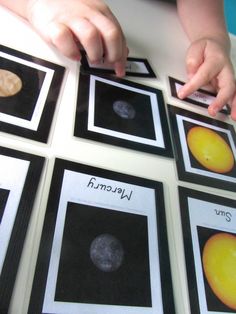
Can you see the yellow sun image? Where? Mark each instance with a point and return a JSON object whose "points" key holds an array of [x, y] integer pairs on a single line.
{"points": [[219, 264], [210, 149]]}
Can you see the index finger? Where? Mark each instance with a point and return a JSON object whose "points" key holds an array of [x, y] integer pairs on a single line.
{"points": [[206, 72]]}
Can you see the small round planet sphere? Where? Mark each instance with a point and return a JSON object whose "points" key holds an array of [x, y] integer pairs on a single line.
{"points": [[106, 252], [124, 109], [10, 83]]}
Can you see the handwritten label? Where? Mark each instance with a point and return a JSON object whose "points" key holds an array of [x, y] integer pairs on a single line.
{"points": [[225, 214], [198, 96], [123, 194]]}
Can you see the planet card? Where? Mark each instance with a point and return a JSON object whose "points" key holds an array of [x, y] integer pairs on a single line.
{"points": [[122, 113], [104, 245], [205, 149], [29, 89], [139, 67], [208, 223], [200, 97], [19, 178]]}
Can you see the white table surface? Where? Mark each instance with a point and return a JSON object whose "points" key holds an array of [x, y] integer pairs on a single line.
{"points": [[153, 31]]}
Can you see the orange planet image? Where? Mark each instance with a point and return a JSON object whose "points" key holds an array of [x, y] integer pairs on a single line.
{"points": [[210, 149], [219, 264]]}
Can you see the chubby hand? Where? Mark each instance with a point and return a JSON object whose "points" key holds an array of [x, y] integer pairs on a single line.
{"points": [[72, 24], [208, 62]]}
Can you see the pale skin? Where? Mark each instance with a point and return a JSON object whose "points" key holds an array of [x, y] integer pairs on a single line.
{"points": [[207, 59], [70, 24]]}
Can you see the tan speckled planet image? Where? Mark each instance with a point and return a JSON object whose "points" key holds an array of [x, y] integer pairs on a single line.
{"points": [[10, 83]]}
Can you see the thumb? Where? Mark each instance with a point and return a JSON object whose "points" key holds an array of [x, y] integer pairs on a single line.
{"points": [[194, 57]]}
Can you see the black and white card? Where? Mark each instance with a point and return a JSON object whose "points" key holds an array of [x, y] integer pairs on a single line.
{"points": [[205, 149], [139, 67], [200, 97], [209, 234], [104, 245], [122, 113], [29, 90], [19, 178]]}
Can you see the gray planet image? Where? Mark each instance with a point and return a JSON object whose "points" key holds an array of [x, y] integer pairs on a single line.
{"points": [[106, 252], [124, 109]]}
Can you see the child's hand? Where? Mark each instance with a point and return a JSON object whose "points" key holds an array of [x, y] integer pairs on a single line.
{"points": [[233, 107], [208, 62], [70, 24]]}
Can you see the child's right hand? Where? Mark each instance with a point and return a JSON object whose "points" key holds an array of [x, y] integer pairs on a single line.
{"points": [[70, 24]]}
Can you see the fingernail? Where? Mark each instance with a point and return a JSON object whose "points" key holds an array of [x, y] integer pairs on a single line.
{"points": [[120, 69], [180, 94], [213, 111], [120, 73]]}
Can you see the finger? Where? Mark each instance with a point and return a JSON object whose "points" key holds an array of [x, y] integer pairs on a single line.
{"points": [[113, 39], [221, 100], [119, 68], [225, 94], [114, 43], [233, 108], [62, 38], [89, 37], [226, 90], [194, 58], [207, 71]]}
